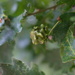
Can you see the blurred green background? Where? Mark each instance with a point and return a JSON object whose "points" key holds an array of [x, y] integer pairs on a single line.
{"points": [[46, 56]]}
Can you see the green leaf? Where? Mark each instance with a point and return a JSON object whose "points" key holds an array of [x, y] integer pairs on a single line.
{"points": [[54, 60], [24, 5], [3, 1], [6, 35], [10, 6], [10, 29], [70, 3], [63, 35], [6, 52], [66, 1], [16, 23], [1, 12], [60, 31], [21, 7], [67, 50], [18, 68]]}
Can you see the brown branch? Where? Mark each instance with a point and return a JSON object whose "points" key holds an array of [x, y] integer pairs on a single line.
{"points": [[40, 11]]}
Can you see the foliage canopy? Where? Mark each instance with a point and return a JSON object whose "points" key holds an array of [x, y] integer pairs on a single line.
{"points": [[41, 28]]}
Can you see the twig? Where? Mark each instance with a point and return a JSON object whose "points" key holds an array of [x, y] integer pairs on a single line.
{"points": [[40, 11]]}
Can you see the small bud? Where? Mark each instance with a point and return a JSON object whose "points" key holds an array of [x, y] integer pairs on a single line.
{"points": [[58, 19], [1, 71], [50, 37], [0, 20]]}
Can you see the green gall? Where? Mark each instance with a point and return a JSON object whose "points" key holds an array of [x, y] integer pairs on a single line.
{"points": [[39, 34]]}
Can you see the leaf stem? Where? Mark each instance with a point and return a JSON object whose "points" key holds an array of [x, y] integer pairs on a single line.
{"points": [[54, 27]]}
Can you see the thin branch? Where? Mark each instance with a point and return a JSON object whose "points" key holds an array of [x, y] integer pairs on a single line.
{"points": [[40, 11]]}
